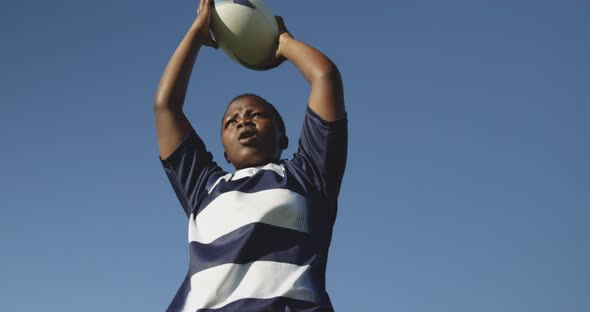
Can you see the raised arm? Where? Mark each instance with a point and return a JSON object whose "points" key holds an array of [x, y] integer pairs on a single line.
{"points": [[326, 97], [171, 123]]}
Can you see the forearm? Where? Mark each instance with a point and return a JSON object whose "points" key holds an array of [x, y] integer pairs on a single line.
{"points": [[326, 97], [173, 85], [310, 62]]}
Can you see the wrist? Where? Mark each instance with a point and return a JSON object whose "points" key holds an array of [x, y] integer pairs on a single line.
{"points": [[199, 33], [199, 38], [284, 39]]}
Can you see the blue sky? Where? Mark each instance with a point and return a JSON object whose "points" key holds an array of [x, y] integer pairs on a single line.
{"points": [[467, 186]]}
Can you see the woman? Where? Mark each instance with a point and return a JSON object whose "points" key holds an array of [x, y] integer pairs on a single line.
{"points": [[259, 237]]}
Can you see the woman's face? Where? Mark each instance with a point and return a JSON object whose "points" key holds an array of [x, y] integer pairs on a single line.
{"points": [[249, 133]]}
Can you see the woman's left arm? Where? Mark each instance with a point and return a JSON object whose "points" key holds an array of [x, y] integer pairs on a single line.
{"points": [[327, 95]]}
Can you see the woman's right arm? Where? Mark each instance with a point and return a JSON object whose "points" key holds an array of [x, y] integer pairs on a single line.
{"points": [[171, 124]]}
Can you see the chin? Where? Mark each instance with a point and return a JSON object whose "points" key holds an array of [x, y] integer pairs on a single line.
{"points": [[249, 161], [252, 157], [252, 161]]}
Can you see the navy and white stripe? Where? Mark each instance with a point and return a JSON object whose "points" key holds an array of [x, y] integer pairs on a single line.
{"points": [[260, 235], [258, 238], [233, 210]]}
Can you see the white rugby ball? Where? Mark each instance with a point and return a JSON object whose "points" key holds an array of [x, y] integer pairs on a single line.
{"points": [[246, 30]]}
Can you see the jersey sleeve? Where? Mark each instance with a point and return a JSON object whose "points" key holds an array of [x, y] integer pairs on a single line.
{"points": [[322, 151], [190, 169]]}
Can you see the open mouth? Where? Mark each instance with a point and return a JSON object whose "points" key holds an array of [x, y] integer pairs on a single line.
{"points": [[247, 137]]}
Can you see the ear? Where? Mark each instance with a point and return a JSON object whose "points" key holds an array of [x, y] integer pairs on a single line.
{"points": [[226, 159], [284, 143]]}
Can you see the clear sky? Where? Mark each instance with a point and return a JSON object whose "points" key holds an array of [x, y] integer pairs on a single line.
{"points": [[467, 186]]}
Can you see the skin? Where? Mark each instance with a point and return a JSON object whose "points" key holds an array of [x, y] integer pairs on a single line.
{"points": [[325, 99], [250, 134]]}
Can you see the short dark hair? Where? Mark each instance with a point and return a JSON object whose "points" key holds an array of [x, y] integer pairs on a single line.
{"points": [[278, 117]]}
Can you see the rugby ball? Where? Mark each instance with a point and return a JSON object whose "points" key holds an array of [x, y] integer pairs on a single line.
{"points": [[246, 30]]}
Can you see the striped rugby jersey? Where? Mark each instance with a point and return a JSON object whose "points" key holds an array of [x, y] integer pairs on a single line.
{"points": [[259, 238]]}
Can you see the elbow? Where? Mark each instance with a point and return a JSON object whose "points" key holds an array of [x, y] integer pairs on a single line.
{"points": [[163, 102], [327, 72], [160, 103]]}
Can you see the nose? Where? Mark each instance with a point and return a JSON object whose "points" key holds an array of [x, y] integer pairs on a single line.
{"points": [[245, 122]]}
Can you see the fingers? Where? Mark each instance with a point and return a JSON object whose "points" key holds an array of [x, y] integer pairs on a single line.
{"points": [[202, 23], [205, 5], [200, 7], [281, 24], [211, 42], [280, 20]]}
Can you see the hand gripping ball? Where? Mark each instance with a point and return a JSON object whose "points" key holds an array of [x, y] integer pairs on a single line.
{"points": [[246, 30]]}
